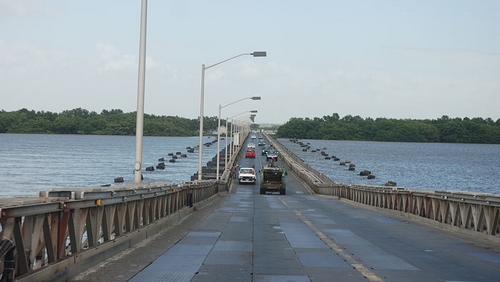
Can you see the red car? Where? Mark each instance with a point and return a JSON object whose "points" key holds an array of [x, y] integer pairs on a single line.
{"points": [[250, 154]]}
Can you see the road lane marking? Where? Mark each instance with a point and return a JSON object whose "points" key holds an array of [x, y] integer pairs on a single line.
{"points": [[351, 260]]}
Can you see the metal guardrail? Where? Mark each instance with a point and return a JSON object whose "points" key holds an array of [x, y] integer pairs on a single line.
{"points": [[50, 232], [477, 213], [7, 256], [62, 232], [61, 228]]}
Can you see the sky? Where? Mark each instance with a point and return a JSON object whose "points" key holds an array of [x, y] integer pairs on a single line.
{"points": [[402, 59]]}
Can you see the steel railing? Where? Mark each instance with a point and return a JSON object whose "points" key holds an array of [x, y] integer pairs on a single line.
{"points": [[478, 213]]}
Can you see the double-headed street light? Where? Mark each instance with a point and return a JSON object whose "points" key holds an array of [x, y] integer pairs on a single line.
{"points": [[241, 129], [218, 133], [203, 68]]}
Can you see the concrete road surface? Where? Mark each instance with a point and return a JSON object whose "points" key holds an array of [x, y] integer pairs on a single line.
{"points": [[245, 236]]}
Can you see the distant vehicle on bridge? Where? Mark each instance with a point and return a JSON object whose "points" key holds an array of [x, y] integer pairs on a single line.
{"points": [[250, 153], [265, 149], [272, 155]]}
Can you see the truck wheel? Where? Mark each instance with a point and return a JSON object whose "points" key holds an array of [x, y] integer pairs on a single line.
{"points": [[262, 191], [283, 192]]}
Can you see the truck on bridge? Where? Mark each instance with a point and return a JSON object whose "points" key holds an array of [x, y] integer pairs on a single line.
{"points": [[273, 179]]}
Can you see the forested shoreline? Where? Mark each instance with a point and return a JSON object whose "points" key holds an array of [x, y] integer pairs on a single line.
{"points": [[444, 129], [116, 122], [108, 122]]}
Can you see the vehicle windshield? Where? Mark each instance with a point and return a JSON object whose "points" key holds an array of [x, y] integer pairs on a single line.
{"points": [[246, 171]]}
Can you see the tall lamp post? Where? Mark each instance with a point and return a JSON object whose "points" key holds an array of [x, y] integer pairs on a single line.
{"points": [[252, 111], [218, 132], [203, 68], [139, 131], [233, 128]]}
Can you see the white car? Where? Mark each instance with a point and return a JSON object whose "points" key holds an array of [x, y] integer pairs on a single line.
{"points": [[247, 175], [251, 146]]}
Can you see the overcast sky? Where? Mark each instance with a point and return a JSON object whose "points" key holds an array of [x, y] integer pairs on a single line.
{"points": [[395, 59]]}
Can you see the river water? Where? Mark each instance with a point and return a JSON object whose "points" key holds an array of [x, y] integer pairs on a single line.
{"points": [[32, 163], [37, 162], [419, 166]]}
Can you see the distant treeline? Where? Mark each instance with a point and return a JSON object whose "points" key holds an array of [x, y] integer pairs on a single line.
{"points": [[112, 122], [116, 122], [444, 129]]}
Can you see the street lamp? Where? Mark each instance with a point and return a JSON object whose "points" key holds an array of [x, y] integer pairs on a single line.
{"points": [[241, 129], [232, 139], [203, 68], [233, 128], [218, 133], [139, 131]]}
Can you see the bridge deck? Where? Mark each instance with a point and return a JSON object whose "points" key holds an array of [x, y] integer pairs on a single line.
{"points": [[245, 236]]}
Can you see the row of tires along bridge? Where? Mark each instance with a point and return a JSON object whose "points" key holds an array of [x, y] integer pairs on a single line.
{"points": [[475, 214], [61, 233]]}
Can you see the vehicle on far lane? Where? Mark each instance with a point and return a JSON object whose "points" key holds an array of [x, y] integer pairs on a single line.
{"points": [[265, 149], [272, 155]]}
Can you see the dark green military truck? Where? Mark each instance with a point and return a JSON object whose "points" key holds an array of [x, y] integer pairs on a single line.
{"points": [[273, 179]]}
